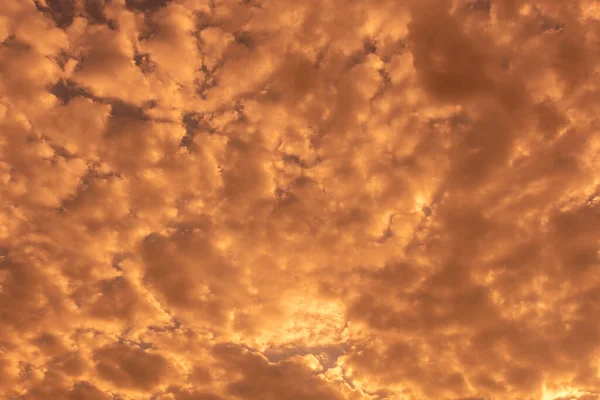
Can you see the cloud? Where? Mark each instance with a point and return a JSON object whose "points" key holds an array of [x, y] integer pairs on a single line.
{"points": [[206, 200]]}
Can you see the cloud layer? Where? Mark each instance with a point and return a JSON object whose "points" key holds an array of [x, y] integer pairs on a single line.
{"points": [[259, 199]]}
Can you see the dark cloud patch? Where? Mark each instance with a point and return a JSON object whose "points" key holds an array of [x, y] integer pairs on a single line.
{"points": [[146, 5], [261, 379], [67, 90], [61, 11], [437, 40], [129, 367]]}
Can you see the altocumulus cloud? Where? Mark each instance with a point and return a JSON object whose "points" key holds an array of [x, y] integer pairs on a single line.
{"points": [[260, 199]]}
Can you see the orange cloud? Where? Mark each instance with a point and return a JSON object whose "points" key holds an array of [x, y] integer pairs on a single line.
{"points": [[223, 199]]}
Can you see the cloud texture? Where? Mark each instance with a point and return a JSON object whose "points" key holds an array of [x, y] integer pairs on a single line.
{"points": [[294, 200]]}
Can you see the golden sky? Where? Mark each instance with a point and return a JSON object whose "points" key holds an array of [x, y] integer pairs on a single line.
{"points": [[299, 200]]}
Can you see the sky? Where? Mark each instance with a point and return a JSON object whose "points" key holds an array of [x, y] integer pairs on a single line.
{"points": [[299, 200]]}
